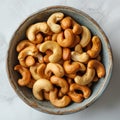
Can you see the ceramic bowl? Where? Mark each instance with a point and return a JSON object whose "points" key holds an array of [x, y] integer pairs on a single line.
{"points": [[26, 94]]}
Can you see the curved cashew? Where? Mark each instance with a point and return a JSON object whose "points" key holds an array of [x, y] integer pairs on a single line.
{"points": [[54, 68], [86, 78], [31, 50], [66, 54], [77, 29], [83, 57], [62, 102], [29, 61], [71, 68], [36, 28], [33, 71], [68, 22], [78, 48], [96, 47], [66, 38], [61, 83], [78, 97], [86, 36], [53, 46], [76, 41], [39, 85], [25, 73], [41, 71], [95, 64], [53, 19], [38, 38], [23, 44]]}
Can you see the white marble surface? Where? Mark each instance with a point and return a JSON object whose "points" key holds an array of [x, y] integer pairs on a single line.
{"points": [[106, 13]]}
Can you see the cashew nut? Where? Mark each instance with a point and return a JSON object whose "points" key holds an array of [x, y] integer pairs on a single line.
{"points": [[29, 61], [36, 28], [86, 36], [78, 97], [96, 47], [41, 71], [100, 69], [39, 85], [54, 37], [23, 44], [66, 38], [76, 41], [61, 83], [54, 68], [78, 48], [62, 102], [86, 78], [68, 22], [31, 50], [25, 73], [66, 54], [53, 19], [33, 71], [54, 47], [83, 57], [71, 68]]}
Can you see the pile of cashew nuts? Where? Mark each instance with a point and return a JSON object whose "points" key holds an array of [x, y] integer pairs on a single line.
{"points": [[60, 60]]}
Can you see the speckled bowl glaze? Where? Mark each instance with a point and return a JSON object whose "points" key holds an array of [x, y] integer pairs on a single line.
{"points": [[26, 94]]}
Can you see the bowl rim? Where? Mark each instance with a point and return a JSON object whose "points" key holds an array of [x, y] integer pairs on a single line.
{"points": [[101, 90]]}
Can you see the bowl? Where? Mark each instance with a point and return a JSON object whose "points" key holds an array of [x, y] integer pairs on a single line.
{"points": [[26, 94]]}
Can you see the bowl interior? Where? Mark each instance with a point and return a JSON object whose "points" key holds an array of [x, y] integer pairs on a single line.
{"points": [[26, 94]]}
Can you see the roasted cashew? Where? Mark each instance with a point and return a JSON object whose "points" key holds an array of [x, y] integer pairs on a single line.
{"points": [[39, 85], [86, 36], [66, 38], [53, 19], [38, 38], [31, 50], [78, 97], [76, 41], [78, 48], [62, 102], [25, 73], [41, 71], [54, 68], [36, 28], [23, 44], [66, 54], [54, 47], [33, 71], [68, 22], [77, 29], [29, 61], [61, 83], [83, 57], [86, 78], [71, 68], [100, 69], [96, 47]]}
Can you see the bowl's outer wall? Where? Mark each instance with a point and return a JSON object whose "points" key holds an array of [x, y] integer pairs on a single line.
{"points": [[20, 34]]}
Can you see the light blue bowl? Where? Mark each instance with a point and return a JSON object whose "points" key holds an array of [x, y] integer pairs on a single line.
{"points": [[82, 18]]}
